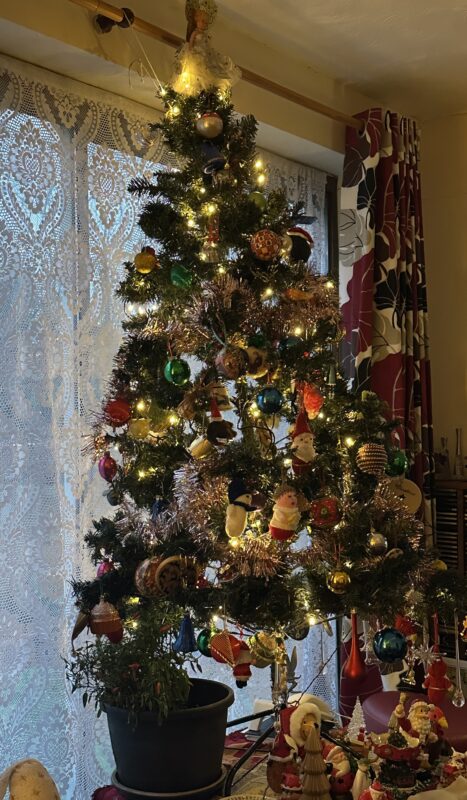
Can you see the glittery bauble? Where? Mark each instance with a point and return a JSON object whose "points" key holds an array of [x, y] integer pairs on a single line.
{"points": [[209, 125], [372, 458], [298, 632], [338, 581], [165, 576], [232, 362], [139, 428], [258, 199], [265, 245], [270, 400], [324, 512], [177, 371], [180, 276], [117, 412], [398, 463], [389, 645], [225, 648], [104, 567], [146, 261], [204, 642], [104, 618], [263, 647], [377, 543], [107, 467]]}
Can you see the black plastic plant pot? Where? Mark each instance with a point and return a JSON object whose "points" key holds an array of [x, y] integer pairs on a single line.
{"points": [[182, 754]]}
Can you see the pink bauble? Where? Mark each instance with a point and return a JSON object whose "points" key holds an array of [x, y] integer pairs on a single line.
{"points": [[107, 467], [104, 567], [107, 793]]}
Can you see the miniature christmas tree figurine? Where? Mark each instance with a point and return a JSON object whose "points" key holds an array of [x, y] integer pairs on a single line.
{"points": [[356, 725], [315, 781]]}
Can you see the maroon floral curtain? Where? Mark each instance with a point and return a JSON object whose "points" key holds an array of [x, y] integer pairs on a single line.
{"points": [[382, 272]]}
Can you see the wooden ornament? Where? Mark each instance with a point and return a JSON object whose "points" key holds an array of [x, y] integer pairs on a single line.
{"points": [[165, 576]]}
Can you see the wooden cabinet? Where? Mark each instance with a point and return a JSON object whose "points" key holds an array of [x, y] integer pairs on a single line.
{"points": [[451, 541]]}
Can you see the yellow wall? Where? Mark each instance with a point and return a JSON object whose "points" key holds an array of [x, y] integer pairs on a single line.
{"points": [[444, 186], [60, 36]]}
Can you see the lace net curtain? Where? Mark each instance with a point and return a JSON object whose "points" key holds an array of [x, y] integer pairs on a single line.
{"points": [[67, 223]]}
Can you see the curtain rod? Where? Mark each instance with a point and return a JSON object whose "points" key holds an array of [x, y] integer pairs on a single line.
{"points": [[117, 16]]}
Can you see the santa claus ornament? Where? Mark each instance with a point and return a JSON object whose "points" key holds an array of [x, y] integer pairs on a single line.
{"points": [[219, 431], [376, 792], [285, 514], [240, 503], [241, 670], [302, 445], [437, 681], [302, 244]]}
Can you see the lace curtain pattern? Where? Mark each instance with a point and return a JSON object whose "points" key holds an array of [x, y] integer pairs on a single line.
{"points": [[67, 223]]}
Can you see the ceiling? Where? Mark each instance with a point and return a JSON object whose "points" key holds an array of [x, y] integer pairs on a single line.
{"points": [[410, 54]]}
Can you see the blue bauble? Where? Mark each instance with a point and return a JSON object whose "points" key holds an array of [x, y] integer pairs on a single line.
{"points": [[389, 645], [270, 400], [186, 639]]}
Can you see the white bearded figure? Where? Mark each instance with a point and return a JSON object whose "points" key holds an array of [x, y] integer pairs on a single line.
{"points": [[285, 514], [418, 722], [302, 445]]}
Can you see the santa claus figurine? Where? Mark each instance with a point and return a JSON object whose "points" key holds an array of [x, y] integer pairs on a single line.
{"points": [[240, 503], [437, 681], [418, 723], [288, 749], [341, 778], [376, 792], [285, 514], [302, 445]]}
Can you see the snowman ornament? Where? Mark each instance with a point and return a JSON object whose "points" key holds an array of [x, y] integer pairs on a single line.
{"points": [[240, 503], [302, 445]]}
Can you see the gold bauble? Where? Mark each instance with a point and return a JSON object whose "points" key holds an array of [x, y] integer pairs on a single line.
{"points": [[372, 458], [145, 262], [338, 581], [439, 565], [200, 447], [209, 125], [263, 647], [139, 428], [377, 543]]}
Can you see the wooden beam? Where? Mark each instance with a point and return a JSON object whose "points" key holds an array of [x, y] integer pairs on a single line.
{"points": [[155, 32]]}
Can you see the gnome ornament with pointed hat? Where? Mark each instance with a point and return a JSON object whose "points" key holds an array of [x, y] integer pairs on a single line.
{"points": [[302, 444], [219, 431], [240, 503]]}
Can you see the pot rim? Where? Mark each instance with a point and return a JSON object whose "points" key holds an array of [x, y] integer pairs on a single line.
{"points": [[179, 713]]}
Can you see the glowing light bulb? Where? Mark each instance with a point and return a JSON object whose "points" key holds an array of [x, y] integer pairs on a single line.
{"points": [[350, 441], [142, 405], [133, 601], [191, 222], [173, 419], [268, 292], [203, 257], [312, 619], [130, 308], [320, 415], [234, 542], [222, 270], [214, 618], [256, 413], [211, 209], [298, 330], [175, 111], [287, 462], [162, 91], [259, 164], [202, 190], [141, 311], [141, 474], [134, 623], [261, 179], [329, 284]]}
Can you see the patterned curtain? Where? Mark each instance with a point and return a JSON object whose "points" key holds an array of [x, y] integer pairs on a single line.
{"points": [[383, 284], [67, 224]]}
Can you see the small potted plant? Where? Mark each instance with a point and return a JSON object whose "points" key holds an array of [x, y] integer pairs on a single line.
{"points": [[167, 730]]}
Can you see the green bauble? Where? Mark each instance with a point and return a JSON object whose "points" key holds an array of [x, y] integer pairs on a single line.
{"points": [[181, 276], [258, 199], [398, 463], [257, 339], [204, 642], [177, 371]]}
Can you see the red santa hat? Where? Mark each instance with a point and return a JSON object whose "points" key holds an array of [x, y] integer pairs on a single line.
{"points": [[215, 413], [376, 787], [301, 424], [302, 233]]}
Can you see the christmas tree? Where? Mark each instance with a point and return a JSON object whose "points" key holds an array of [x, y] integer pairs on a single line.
{"points": [[235, 340], [315, 781]]}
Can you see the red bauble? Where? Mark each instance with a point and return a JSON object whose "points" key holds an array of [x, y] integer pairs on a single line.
{"points": [[117, 412], [312, 400], [324, 512], [225, 648], [104, 567], [107, 467], [107, 793], [355, 667]]}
